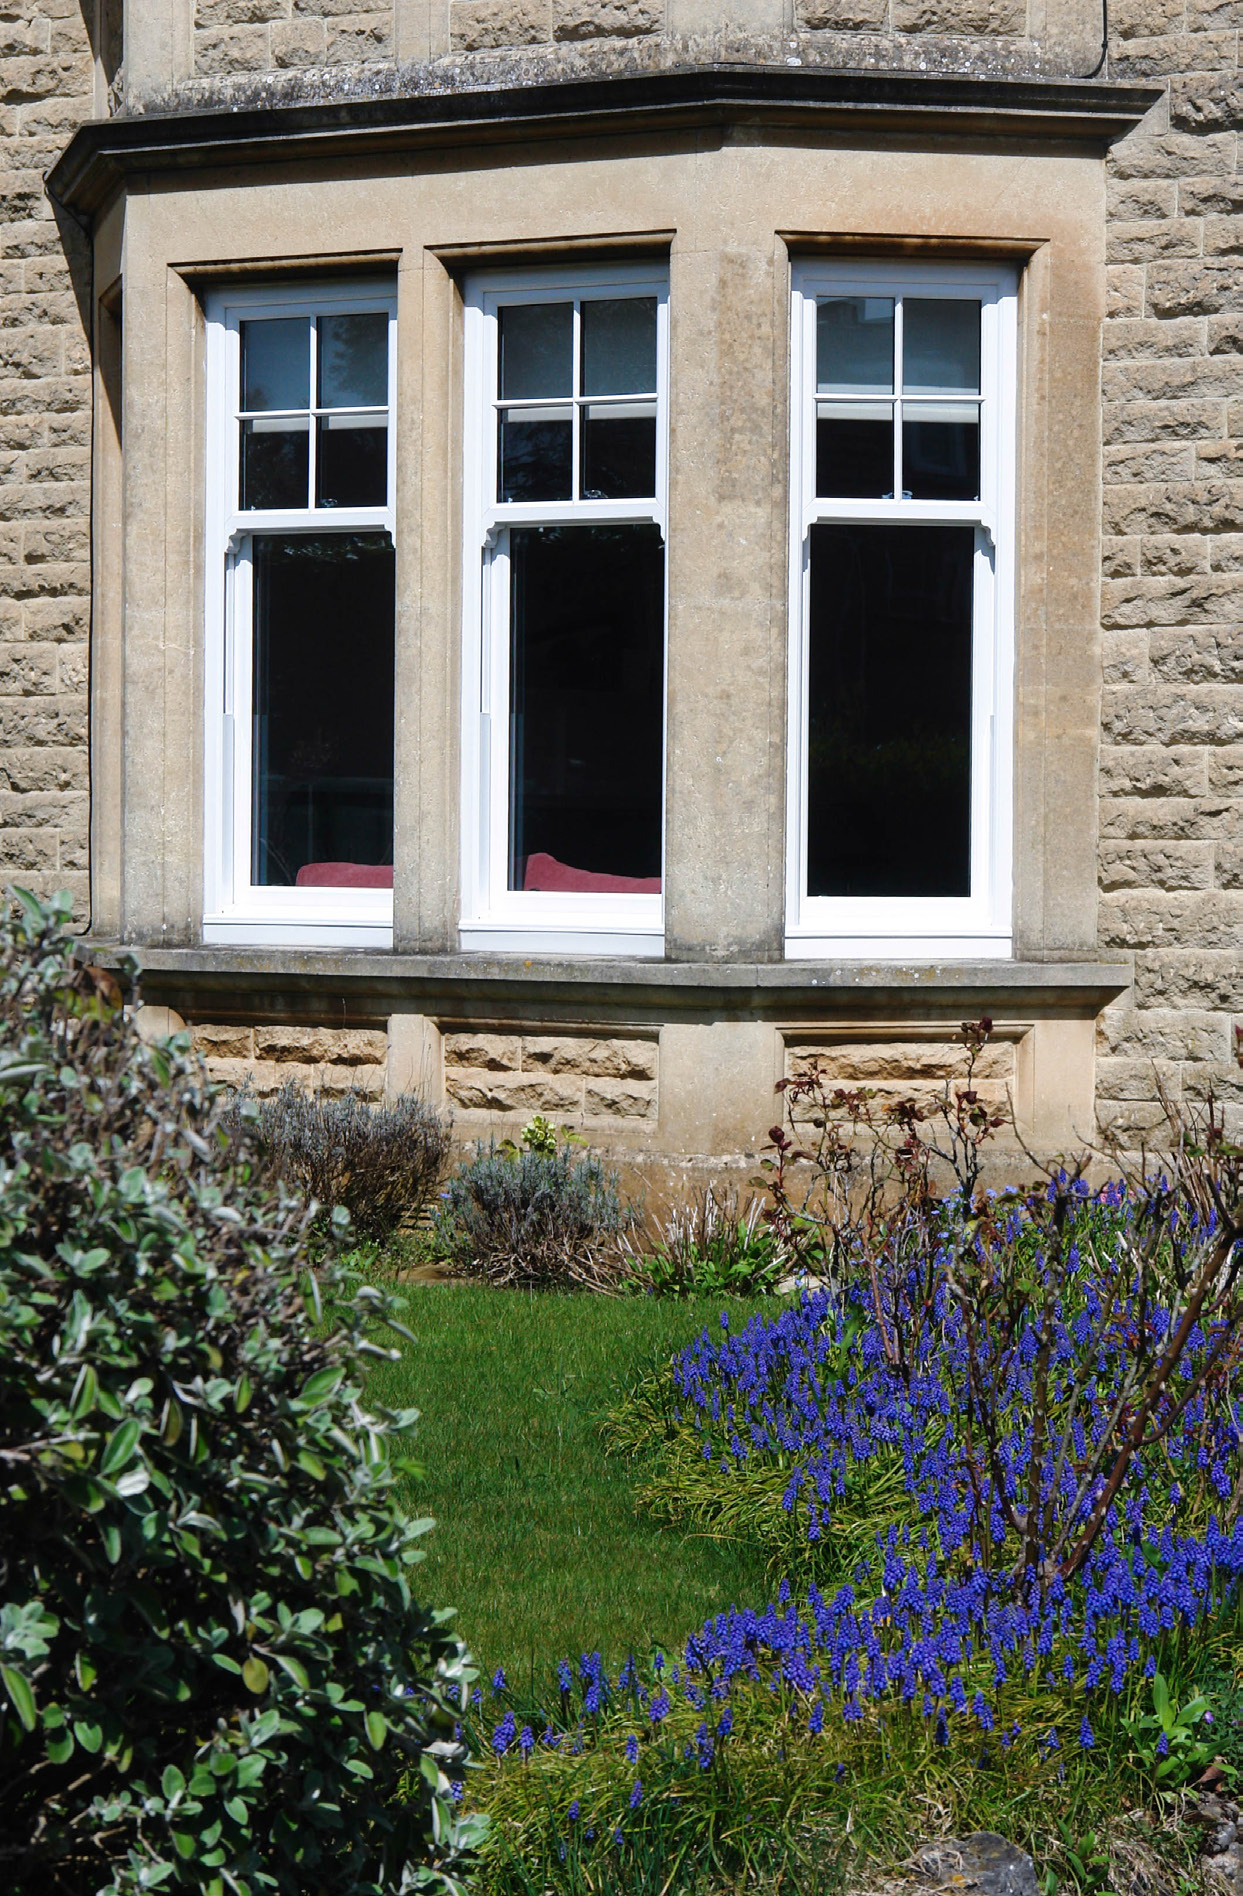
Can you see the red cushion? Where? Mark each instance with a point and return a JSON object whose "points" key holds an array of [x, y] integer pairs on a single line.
{"points": [[545, 872], [345, 875]]}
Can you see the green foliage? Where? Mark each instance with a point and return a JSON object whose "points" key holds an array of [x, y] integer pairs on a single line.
{"points": [[1167, 1741], [216, 1677], [528, 1216], [382, 1162], [709, 1246]]}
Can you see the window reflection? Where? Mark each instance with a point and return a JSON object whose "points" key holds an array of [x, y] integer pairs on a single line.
{"points": [[889, 732], [322, 717]]}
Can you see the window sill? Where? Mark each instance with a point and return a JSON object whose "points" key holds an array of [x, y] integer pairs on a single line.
{"points": [[227, 931], [521, 939], [898, 948]]}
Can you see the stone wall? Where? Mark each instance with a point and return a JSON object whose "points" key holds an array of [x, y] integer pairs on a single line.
{"points": [[910, 1068], [1171, 773], [575, 1079], [322, 1059], [47, 81], [241, 36]]}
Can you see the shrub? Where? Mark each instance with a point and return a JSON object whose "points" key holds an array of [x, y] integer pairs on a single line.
{"points": [[381, 1162], [530, 1216], [712, 1245], [213, 1672]]}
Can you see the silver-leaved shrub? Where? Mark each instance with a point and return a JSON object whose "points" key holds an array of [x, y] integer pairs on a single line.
{"points": [[214, 1673]]}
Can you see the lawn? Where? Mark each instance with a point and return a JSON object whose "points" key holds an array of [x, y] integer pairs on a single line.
{"points": [[538, 1543]]}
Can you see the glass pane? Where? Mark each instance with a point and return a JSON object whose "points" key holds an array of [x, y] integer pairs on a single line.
{"points": [[940, 346], [854, 345], [276, 463], [619, 346], [889, 719], [537, 350], [536, 455], [353, 361], [322, 757], [619, 450], [276, 363], [587, 635], [351, 461], [854, 449], [941, 450]]}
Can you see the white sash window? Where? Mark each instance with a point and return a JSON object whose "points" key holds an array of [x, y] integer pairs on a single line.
{"points": [[564, 591], [901, 674], [300, 618]]}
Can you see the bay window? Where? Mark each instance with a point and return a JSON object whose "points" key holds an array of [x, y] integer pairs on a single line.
{"points": [[564, 588], [300, 618], [902, 610]]}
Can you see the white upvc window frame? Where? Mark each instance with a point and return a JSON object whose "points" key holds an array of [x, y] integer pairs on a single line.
{"points": [[495, 918], [234, 909], [978, 925]]}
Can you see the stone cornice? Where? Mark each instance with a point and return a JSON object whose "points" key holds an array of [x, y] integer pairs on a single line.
{"points": [[805, 100]]}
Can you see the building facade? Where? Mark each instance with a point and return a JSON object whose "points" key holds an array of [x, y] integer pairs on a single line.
{"points": [[572, 553]]}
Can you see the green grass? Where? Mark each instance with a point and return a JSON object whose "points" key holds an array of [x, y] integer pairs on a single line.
{"points": [[539, 1543]]}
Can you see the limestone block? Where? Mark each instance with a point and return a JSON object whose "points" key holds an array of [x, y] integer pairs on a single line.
{"points": [[1136, 243], [1211, 506], [1174, 154], [1209, 919], [1157, 57], [1138, 19], [855, 1063], [1154, 421], [605, 19], [479, 25], [1172, 865], [620, 1099], [335, 1080], [1223, 236], [226, 50], [1225, 334], [1164, 1033], [1224, 771], [1191, 289], [224, 1042], [496, 1053], [158, 1023], [1172, 380], [1173, 819], [1140, 197], [960, 16], [1135, 1079], [1138, 337], [300, 42], [209, 13], [1169, 599], [1208, 979], [842, 16], [1183, 553], [28, 670], [1119, 556], [523, 1094], [24, 850], [359, 41], [1193, 654], [1230, 865], [619, 1059], [334, 1046], [1124, 657], [1200, 715]]}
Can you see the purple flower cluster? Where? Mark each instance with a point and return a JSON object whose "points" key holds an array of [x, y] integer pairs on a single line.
{"points": [[939, 1613]]}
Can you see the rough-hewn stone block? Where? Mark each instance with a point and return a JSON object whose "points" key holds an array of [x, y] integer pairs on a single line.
{"points": [[619, 1099], [1212, 919], [1131, 338], [518, 1093], [1203, 714], [1191, 977], [842, 16], [605, 19], [1156, 865], [1164, 1033], [477, 25], [496, 1053], [960, 17], [1124, 657], [314, 1046], [1192, 288], [223, 1042], [580, 1053], [1198, 654], [1182, 819]]}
